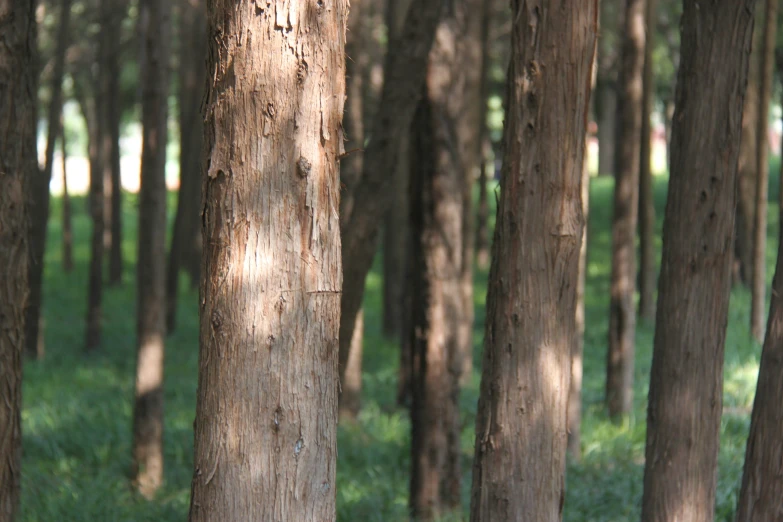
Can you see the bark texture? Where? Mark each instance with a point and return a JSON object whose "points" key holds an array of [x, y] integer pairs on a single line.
{"points": [[147, 470], [647, 268], [686, 382], [622, 311], [404, 74], [519, 466], [186, 238], [18, 166], [266, 415], [40, 196], [762, 478], [759, 279]]}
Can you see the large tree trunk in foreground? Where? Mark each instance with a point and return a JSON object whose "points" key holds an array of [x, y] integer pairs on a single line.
{"points": [[686, 381], [40, 195], [185, 247], [147, 470], [762, 478], [17, 166], [622, 312], [404, 73], [266, 415], [647, 269], [759, 279], [520, 455]]}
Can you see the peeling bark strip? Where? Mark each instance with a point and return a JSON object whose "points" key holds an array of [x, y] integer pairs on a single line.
{"points": [[686, 381], [519, 467], [266, 416], [17, 165]]}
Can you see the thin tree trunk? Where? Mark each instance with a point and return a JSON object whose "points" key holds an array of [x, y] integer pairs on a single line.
{"points": [[520, 453], [40, 196], [67, 220], [622, 312], [483, 144], [686, 381], [746, 186], [758, 287], [606, 87], [647, 269], [147, 472], [184, 247], [404, 73], [17, 165], [266, 414], [111, 139]]}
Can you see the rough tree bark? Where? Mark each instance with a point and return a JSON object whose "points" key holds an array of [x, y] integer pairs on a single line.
{"points": [[622, 312], [440, 168], [40, 195], [686, 381], [266, 415], [519, 466], [762, 478], [147, 471], [647, 269], [18, 165], [404, 73], [759, 275], [185, 241], [67, 214]]}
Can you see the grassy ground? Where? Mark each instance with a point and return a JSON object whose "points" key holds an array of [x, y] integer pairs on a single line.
{"points": [[77, 409]]}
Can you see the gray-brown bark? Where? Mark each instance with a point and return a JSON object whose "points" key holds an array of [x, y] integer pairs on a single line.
{"points": [[762, 478], [647, 269], [110, 140], [404, 74], [147, 471], [185, 241], [606, 87], [686, 381], [483, 144], [622, 311], [67, 214], [40, 196], [519, 465], [759, 280], [266, 414], [18, 165]]}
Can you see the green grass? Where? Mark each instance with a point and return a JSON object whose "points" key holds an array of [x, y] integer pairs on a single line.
{"points": [[77, 409]]}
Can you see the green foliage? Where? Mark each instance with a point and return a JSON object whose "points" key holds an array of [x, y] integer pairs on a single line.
{"points": [[77, 409]]}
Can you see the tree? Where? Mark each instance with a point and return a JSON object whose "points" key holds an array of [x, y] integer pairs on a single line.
{"points": [[759, 280], [622, 312], [404, 73], [519, 466], [484, 145], [147, 469], [66, 216], [40, 196], [647, 269], [762, 480], [686, 381], [186, 238], [606, 87], [17, 165], [439, 173], [266, 414]]}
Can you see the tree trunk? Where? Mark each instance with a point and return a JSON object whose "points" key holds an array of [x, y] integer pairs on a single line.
{"points": [[647, 269], [622, 312], [762, 478], [483, 144], [67, 219], [404, 73], [519, 466], [40, 196], [606, 87], [440, 170], [748, 157], [185, 248], [266, 415], [147, 472], [767, 57], [111, 138], [686, 381], [17, 165]]}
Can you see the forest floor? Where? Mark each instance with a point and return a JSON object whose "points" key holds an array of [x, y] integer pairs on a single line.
{"points": [[77, 408]]}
